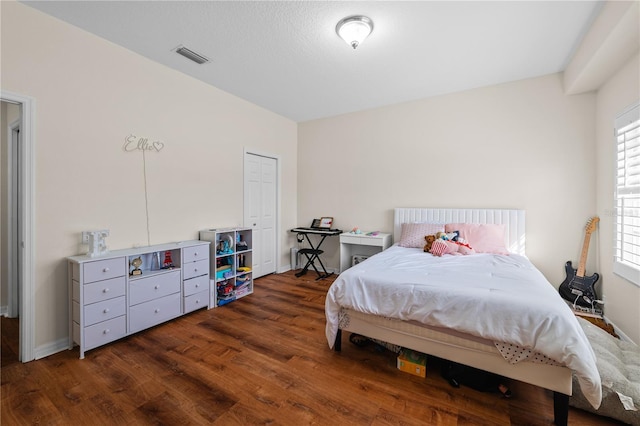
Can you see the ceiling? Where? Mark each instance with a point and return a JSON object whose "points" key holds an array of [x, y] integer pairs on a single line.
{"points": [[286, 57]]}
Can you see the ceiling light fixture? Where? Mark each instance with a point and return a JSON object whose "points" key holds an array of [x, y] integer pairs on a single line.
{"points": [[354, 29]]}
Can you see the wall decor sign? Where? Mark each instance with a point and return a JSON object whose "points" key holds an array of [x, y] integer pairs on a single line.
{"points": [[133, 143]]}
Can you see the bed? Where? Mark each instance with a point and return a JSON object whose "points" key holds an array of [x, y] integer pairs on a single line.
{"points": [[491, 310]]}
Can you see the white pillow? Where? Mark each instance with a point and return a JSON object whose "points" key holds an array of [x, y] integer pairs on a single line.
{"points": [[413, 234]]}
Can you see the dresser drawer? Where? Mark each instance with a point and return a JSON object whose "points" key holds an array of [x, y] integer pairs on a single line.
{"points": [[363, 240], [349, 239], [371, 241], [105, 332], [103, 269], [145, 289], [196, 285], [105, 310], [148, 314], [196, 269], [196, 301], [192, 254], [103, 290]]}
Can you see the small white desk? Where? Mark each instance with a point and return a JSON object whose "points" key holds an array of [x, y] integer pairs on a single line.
{"points": [[361, 244]]}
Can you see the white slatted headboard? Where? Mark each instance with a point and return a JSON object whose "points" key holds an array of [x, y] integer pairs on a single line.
{"points": [[512, 219]]}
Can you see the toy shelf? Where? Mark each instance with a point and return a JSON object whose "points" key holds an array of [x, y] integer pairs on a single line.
{"points": [[231, 260]]}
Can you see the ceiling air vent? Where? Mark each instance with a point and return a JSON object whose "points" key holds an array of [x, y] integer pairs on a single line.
{"points": [[190, 54]]}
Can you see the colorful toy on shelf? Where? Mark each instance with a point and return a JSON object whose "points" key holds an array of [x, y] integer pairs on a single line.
{"points": [[225, 246], [225, 288], [168, 262]]}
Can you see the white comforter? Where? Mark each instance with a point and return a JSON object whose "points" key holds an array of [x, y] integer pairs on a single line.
{"points": [[499, 298]]}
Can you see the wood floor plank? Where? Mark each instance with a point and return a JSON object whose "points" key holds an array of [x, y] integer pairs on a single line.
{"points": [[261, 360]]}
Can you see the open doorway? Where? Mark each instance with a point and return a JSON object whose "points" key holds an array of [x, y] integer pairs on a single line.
{"points": [[16, 236], [10, 212]]}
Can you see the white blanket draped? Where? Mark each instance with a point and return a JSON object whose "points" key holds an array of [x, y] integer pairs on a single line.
{"points": [[499, 298]]}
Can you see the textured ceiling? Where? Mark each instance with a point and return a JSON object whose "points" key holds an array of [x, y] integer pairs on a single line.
{"points": [[286, 56]]}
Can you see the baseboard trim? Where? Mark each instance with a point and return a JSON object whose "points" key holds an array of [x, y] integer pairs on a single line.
{"points": [[620, 334], [51, 348], [287, 268]]}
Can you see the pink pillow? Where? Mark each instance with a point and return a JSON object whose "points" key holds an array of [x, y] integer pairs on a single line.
{"points": [[484, 238], [413, 234], [438, 248]]}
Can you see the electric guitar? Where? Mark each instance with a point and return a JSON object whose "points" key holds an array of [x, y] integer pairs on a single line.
{"points": [[577, 288]]}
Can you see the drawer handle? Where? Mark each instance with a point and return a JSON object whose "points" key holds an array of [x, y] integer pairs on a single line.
{"points": [[195, 254], [157, 310], [195, 269], [106, 290], [197, 285], [106, 310], [106, 331], [105, 270], [157, 287], [197, 301]]}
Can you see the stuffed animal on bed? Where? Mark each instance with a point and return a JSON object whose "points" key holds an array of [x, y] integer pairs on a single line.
{"points": [[448, 236], [429, 239], [440, 247]]}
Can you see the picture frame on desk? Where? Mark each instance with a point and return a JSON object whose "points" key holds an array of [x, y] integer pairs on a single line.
{"points": [[315, 223], [326, 222]]}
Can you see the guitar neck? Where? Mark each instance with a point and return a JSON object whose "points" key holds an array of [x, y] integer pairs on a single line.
{"points": [[583, 256]]}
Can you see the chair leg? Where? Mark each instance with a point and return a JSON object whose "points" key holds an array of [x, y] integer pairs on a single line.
{"points": [[306, 266]]}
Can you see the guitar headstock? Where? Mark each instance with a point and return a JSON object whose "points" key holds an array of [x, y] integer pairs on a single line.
{"points": [[591, 225]]}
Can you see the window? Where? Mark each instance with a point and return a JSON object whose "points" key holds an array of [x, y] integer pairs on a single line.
{"points": [[627, 198]]}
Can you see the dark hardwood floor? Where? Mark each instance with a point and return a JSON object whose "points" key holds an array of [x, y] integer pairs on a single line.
{"points": [[260, 360], [9, 330]]}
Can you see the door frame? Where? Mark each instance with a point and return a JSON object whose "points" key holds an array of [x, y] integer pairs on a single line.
{"points": [[27, 228], [13, 198], [248, 151]]}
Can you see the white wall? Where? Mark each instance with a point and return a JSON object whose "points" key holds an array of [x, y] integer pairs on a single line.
{"points": [[622, 297], [522, 145], [90, 94]]}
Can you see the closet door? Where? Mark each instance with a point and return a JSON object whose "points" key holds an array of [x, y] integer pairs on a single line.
{"points": [[260, 212]]}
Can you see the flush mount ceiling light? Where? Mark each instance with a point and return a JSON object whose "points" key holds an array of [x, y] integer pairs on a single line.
{"points": [[354, 29]]}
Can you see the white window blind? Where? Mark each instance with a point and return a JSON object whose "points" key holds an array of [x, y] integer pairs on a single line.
{"points": [[627, 232]]}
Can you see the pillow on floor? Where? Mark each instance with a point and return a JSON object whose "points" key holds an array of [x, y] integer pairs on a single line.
{"points": [[619, 365]]}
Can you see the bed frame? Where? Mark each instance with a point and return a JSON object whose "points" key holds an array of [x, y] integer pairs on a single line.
{"points": [[554, 378]]}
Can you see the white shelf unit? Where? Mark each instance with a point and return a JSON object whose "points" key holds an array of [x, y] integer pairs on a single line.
{"points": [[109, 301], [362, 245], [231, 258]]}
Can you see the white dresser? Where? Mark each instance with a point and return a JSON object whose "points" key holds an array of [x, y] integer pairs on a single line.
{"points": [[361, 245], [109, 302]]}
